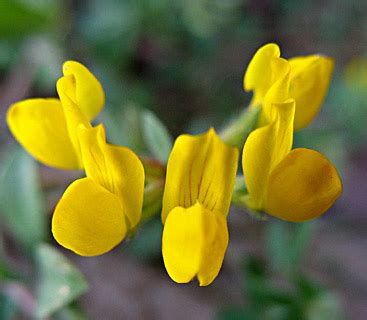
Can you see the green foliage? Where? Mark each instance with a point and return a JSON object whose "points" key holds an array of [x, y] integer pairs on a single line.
{"points": [[296, 298], [156, 136], [287, 244], [146, 245], [282, 291], [60, 281], [21, 198], [69, 313], [125, 129], [19, 18]]}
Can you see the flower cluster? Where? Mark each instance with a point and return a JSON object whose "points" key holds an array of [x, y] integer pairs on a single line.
{"points": [[96, 212]]}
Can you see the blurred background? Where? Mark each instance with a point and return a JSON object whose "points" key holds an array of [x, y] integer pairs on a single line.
{"points": [[182, 61]]}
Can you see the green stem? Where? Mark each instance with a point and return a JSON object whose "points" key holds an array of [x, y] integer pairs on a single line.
{"points": [[153, 194], [240, 198], [154, 169], [236, 132]]}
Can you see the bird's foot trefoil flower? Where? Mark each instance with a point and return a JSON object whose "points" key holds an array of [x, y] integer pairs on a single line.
{"points": [[96, 212], [293, 185], [201, 172]]}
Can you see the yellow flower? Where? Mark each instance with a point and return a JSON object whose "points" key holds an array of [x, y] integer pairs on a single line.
{"points": [[201, 172], [46, 128], [96, 212], [294, 185], [305, 79]]}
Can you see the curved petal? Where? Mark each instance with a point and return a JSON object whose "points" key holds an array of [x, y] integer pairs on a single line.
{"points": [[302, 186], [194, 243], [115, 168], [258, 74], [200, 168], [278, 92], [83, 88], [265, 70], [264, 149], [39, 126], [73, 115], [310, 79], [88, 219]]}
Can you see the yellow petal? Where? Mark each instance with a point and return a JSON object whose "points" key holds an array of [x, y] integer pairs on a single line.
{"points": [[88, 219], [194, 243], [310, 79], [258, 73], [265, 69], [264, 149], [200, 168], [302, 186], [117, 169], [83, 88], [73, 115], [39, 126], [278, 92]]}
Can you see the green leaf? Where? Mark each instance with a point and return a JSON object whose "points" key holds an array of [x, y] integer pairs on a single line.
{"points": [[156, 136], [124, 128], [60, 281], [21, 198]]}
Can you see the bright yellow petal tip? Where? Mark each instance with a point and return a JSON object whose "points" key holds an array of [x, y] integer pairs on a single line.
{"points": [[258, 72], [267, 75], [39, 125], [194, 243], [309, 82], [88, 219], [83, 88]]}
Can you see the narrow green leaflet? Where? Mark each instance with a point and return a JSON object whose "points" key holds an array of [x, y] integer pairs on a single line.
{"points": [[124, 128], [21, 198], [156, 136], [60, 281]]}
